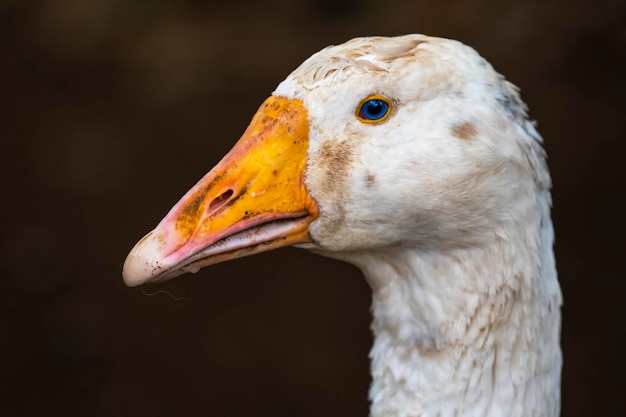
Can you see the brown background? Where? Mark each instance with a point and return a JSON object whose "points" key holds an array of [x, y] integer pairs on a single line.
{"points": [[111, 109]]}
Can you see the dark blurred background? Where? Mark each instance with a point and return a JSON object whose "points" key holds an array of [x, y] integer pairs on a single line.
{"points": [[111, 109]]}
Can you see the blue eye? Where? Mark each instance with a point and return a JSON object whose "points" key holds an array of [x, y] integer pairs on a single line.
{"points": [[374, 109]]}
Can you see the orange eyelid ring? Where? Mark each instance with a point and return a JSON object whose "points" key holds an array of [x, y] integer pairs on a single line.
{"points": [[374, 109]]}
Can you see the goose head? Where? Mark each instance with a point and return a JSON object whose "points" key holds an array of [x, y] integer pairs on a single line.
{"points": [[379, 142], [413, 159]]}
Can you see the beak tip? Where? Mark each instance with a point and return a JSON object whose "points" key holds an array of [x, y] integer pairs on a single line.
{"points": [[130, 275], [134, 273], [141, 264]]}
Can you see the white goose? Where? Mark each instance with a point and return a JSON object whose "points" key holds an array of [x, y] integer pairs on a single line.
{"points": [[413, 159]]}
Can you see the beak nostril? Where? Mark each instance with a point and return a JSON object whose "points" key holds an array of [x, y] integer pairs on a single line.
{"points": [[219, 201]]}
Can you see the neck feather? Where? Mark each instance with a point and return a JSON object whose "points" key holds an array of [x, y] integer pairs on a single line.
{"points": [[470, 332]]}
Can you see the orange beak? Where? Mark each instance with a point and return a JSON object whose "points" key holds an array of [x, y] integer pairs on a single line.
{"points": [[254, 200]]}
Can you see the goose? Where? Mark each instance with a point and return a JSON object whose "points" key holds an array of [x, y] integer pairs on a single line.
{"points": [[413, 159]]}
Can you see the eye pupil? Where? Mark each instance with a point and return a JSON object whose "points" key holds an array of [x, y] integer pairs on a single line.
{"points": [[373, 109]]}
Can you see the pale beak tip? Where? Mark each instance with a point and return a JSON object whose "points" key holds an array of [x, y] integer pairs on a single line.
{"points": [[141, 264]]}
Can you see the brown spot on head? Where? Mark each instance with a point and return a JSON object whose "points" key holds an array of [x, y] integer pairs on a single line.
{"points": [[465, 130], [334, 160], [334, 157], [370, 180]]}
